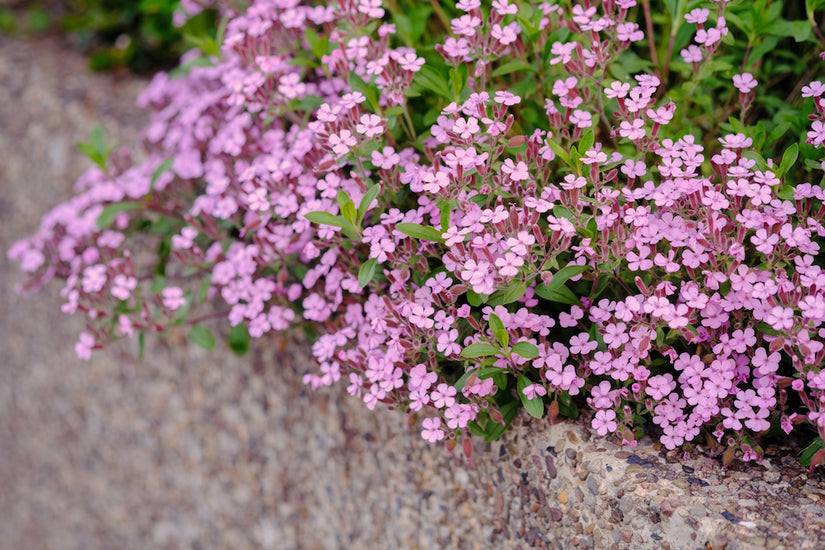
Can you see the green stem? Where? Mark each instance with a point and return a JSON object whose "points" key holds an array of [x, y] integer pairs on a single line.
{"points": [[649, 25], [442, 16]]}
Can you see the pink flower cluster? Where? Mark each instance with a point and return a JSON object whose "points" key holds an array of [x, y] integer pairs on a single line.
{"points": [[601, 255]]}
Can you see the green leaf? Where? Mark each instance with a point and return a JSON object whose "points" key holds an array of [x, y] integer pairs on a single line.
{"points": [[429, 78], [110, 212], [324, 218], [498, 330], [446, 211], [737, 126], [347, 207], [423, 232], [562, 275], [458, 79], [367, 271], [163, 167], [489, 371], [810, 451], [602, 283], [476, 429], [412, 23], [800, 30], [562, 295], [778, 131], [586, 142], [526, 350], [517, 65], [239, 339], [560, 151], [786, 193], [318, 44], [788, 159], [366, 201], [563, 212], [369, 90], [503, 297], [493, 430], [201, 336], [566, 405], [535, 406], [479, 349]]}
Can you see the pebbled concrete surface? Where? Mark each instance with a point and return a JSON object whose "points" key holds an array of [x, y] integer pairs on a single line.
{"points": [[197, 450]]}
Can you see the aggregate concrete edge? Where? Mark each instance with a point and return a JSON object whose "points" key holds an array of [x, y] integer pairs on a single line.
{"points": [[572, 490]]}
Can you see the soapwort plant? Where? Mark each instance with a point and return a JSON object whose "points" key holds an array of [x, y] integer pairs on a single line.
{"points": [[481, 208]]}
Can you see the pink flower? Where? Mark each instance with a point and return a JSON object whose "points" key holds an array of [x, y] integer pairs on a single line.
{"points": [[505, 35], [369, 125], [581, 119], [509, 264], [632, 130], [697, 15], [503, 7], [431, 431], [420, 316], [604, 422], [691, 54], [173, 297], [617, 89], [744, 82], [342, 143], [517, 172], [780, 318], [94, 277], [534, 390], [816, 136], [562, 52], [122, 286], [84, 345], [814, 89], [465, 25], [506, 98], [385, 159], [372, 8], [420, 378]]}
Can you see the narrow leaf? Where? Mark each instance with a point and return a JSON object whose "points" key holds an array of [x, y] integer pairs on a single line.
{"points": [[562, 295], [526, 350], [479, 349], [239, 339], [503, 297], [562, 275], [423, 232], [498, 330], [367, 271], [201, 336], [324, 218], [788, 159], [534, 406], [366, 201], [110, 212]]}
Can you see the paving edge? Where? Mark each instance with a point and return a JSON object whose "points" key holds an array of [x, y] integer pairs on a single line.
{"points": [[563, 485]]}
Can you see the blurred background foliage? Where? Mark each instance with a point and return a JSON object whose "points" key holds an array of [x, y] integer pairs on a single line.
{"points": [[135, 35]]}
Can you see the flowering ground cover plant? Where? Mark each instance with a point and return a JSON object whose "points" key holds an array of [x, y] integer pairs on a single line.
{"points": [[481, 208]]}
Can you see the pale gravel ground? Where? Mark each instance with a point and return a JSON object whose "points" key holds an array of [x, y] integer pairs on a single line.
{"points": [[199, 450]]}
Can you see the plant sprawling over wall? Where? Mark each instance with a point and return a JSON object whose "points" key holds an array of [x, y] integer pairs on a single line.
{"points": [[478, 209]]}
